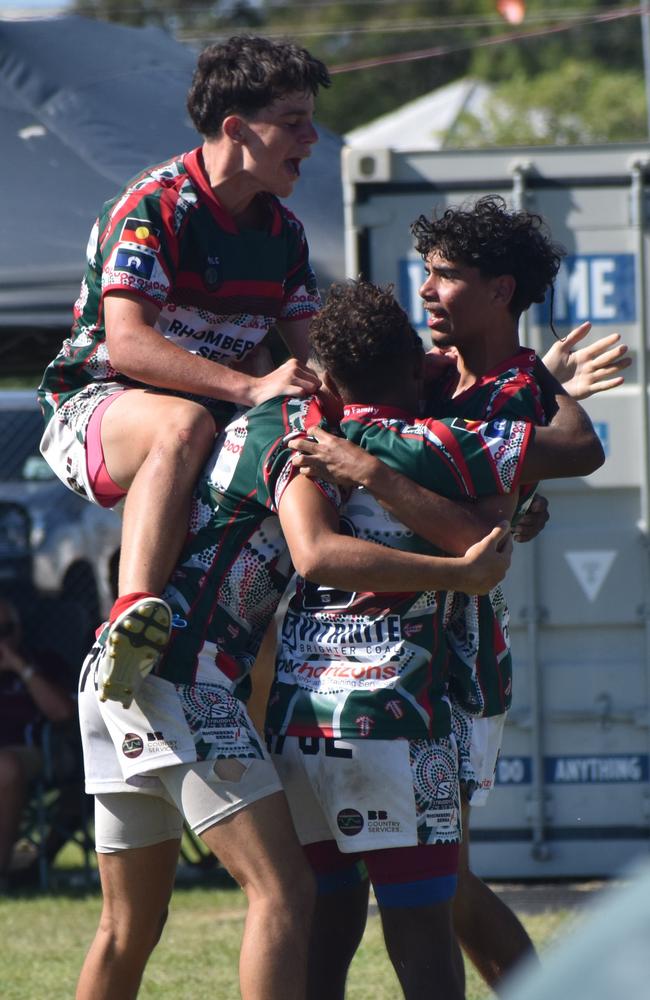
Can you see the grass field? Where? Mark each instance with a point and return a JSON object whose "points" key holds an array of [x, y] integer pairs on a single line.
{"points": [[45, 937]]}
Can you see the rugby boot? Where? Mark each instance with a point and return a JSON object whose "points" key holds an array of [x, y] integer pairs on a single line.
{"points": [[135, 643]]}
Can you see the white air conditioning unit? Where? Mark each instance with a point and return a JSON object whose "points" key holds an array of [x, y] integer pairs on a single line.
{"points": [[366, 165]]}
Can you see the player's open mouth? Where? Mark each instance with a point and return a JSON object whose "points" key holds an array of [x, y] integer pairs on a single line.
{"points": [[434, 317], [294, 166]]}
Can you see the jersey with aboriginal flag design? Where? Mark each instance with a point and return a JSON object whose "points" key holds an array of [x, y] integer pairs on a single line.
{"points": [[477, 628], [167, 239], [363, 665]]}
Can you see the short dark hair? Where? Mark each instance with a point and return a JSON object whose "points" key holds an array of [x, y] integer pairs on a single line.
{"points": [[489, 236], [362, 336], [247, 73]]}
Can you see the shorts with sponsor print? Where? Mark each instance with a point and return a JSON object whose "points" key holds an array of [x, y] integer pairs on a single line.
{"points": [[373, 794], [65, 443], [166, 725], [479, 740]]}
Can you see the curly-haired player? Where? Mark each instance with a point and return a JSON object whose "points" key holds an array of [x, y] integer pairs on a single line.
{"points": [[486, 264], [496, 241], [471, 296], [381, 331]]}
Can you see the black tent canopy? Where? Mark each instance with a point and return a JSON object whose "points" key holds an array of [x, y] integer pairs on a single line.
{"points": [[84, 105]]}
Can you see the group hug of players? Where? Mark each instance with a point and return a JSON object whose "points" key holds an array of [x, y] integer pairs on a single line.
{"points": [[384, 482]]}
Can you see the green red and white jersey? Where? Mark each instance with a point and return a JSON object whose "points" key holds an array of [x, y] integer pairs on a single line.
{"points": [[478, 627], [235, 565], [510, 387], [508, 390], [167, 239], [374, 666]]}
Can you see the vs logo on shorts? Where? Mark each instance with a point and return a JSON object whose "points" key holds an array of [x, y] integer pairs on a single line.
{"points": [[132, 745], [350, 822]]}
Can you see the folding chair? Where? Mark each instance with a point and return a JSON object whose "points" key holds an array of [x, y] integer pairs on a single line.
{"points": [[58, 811]]}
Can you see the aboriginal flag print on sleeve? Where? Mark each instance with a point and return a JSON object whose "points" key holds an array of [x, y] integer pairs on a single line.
{"points": [[141, 234]]}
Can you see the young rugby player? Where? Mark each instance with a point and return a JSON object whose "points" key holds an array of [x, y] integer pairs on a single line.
{"points": [[486, 265], [187, 269], [358, 717]]}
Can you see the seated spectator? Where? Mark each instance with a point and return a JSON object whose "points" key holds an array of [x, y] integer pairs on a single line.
{"points": [[34, 688]]}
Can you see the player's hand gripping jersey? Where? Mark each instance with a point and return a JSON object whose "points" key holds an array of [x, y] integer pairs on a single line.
{"points": [[360, 665], [477, 628], [167, 239]]}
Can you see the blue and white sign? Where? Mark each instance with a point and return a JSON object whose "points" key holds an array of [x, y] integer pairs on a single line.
{"points": [[596, 769], [514, 771], [599, 769], [595, 287]]}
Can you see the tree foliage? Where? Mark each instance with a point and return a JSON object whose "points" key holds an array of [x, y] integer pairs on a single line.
{"points": [[561, 76], [572, 105]]}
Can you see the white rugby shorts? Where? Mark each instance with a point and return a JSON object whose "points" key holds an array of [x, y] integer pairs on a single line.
{"points": [[165, 724], [179, 743], [200, 794], [63, 444], [370, 794]]}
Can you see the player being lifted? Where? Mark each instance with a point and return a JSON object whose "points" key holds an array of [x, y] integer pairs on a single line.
{"points": [[188, 268]]}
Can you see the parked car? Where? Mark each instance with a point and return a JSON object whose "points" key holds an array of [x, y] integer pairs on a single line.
{"points": [[70, 546]]}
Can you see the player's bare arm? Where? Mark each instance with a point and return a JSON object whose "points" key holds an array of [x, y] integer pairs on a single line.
{"points": [[587, 370], [452, 525], [310, 526], [140, 351]]}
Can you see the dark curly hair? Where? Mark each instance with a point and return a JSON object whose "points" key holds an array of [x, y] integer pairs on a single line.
{"points": [[497, 241], [363, 337], [247, 73]]}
